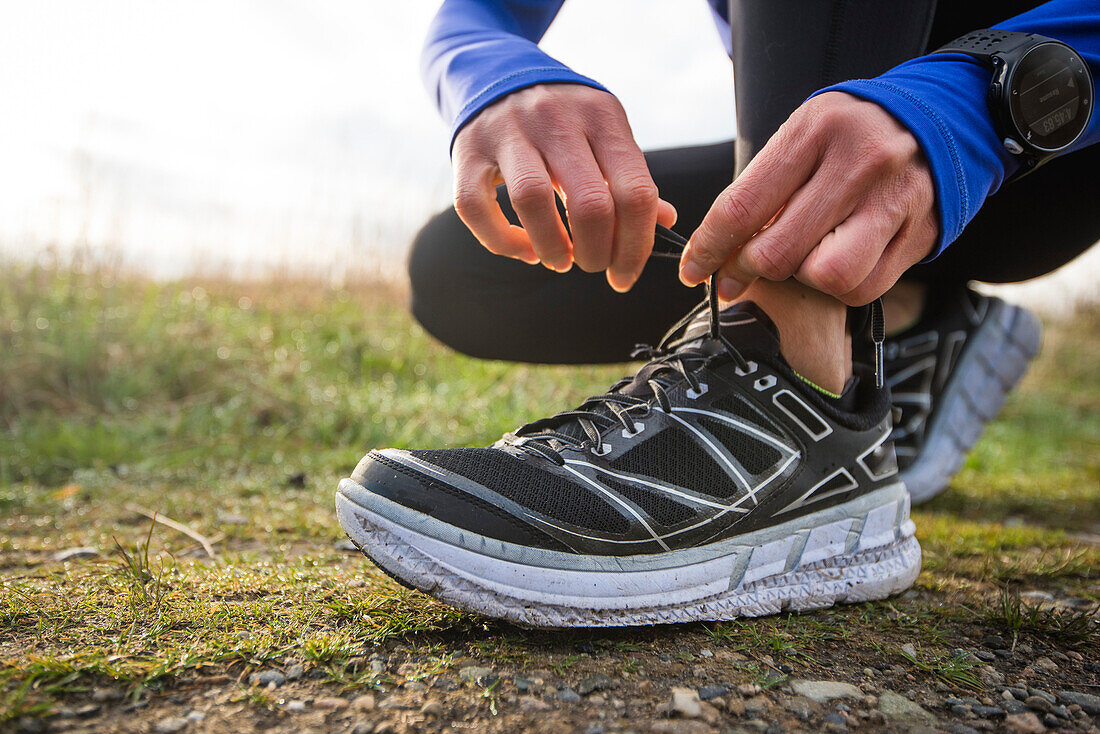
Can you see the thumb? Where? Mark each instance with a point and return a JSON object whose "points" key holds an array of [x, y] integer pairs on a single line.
{"points": [[666, 213]]}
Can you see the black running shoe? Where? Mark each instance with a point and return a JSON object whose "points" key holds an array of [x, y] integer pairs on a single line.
{"points": [[713, 484], [949, 375]]}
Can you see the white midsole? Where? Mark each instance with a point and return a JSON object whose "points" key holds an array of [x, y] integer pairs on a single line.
{"points": [[630, 582]]}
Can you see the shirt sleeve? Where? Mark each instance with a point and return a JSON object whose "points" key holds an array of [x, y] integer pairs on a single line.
{"points": [[477, 51], [941, 98]]}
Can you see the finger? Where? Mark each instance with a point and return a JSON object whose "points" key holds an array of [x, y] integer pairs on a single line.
{"points": [[636, 207], [475, 202], [532, 195], [909, 246], [777, 251], [746, 205], [589, 207], [848, 254], [666, 214]]}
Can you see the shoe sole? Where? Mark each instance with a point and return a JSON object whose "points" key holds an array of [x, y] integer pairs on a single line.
{"points": [[862, 550], [990, 366]]}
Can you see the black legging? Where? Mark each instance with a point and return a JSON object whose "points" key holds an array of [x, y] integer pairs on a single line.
{"points": [[498, 308]]}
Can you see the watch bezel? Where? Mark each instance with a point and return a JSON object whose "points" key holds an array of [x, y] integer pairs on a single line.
{"points": [[1011, 66]]}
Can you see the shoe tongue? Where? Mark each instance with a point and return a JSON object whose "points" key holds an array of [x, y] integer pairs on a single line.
{"points": [[744, 325]]}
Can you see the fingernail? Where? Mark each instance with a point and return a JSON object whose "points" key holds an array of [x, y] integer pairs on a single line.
{"points": [[622, 285], [691, 274], [729, 288]]}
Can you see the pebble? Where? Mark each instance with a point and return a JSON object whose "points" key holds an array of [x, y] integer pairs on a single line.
{"points": [[756, 704], [362, 728], [106, 694], [985, 656], [706, 693], [685, 702], [900, 707], [1043, 694], [988, 712], [477, 675], [1088, 702], [1016, 707], [267, 678], [960, 710], [592, 683], [1018, 693], [909, 649], [432, 709], [1023, 724], [1061, 712], [962, 729], [823, 691], [296, 707], [1052, 721], [835, 722], [1038, 703], [869, 672], [568, 695], [445, 683], [530, 703], [75, 554], [704, 653], [294, 672], [377, 667], [748, 689], [196, 716], [170, 725], [331, 703], [364, 703], [994, 642], [1045, 663]]}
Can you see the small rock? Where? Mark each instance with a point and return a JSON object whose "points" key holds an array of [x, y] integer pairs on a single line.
{"points": [[1018, 693], [909, 649], [989, 676], [331, 703], [902, 709], [869, 672], [296, 707], [432, 709], [988, 712], [748, 689], [1089, 703], [994, 642], [823, 691], [961, 710], [170, 725], [228, 518], [415, 686], [530, 703], [1023, 724], [445, 683], [757, 704], [1045, 663], [1062, 712], [1038, 703], [1052, 721], [1043, 694], [103, 695], [195, 716], [267, 678], [568, 695], [985, 656], [75, 554], [522, 684], [961, 729], [1016, 707], [592, 683], [706, 693], [704, 653], [364, 703], [477, 675], [685, 702], [362, 728], [294, 672], [1036, 596]]}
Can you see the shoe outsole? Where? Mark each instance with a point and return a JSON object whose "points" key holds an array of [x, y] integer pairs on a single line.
{"points": [[992, 364], [860, 558]]}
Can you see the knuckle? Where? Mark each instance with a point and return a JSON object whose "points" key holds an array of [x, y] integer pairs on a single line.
{"points": [[468, 200], [592, 207], [773, 260], [832, 275], [639, 198], [529, 190], [735, 210]]}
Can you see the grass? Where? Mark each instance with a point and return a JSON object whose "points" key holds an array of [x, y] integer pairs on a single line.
{"points": [[235, 407]]}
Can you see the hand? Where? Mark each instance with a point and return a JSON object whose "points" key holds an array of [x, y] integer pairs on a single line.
{"points": [[840, 198], [573, 140]]}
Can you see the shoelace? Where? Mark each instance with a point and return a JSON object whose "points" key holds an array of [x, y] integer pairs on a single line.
{"points": [[675, 352]]}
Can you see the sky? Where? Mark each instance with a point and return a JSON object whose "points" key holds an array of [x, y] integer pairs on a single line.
{"points": [[235, 136]]}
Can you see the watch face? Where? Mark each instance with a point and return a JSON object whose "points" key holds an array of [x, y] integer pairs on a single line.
{"points": [[1051, 96]]}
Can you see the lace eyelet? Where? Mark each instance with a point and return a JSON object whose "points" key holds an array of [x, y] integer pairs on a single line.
{"points": [[751, 367], [693, 394], [603, 450], [638, 428]]}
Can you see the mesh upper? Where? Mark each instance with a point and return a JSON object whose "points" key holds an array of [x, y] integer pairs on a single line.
{"points": [[540, 491], [666, 511], [752, 453], [675, 458]]}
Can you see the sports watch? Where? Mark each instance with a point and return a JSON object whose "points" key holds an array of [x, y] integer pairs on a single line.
{"points": [[1041, 94]]}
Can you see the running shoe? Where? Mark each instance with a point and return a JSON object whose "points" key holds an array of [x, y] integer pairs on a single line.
{"points": [[949, 375], [713, 484]]}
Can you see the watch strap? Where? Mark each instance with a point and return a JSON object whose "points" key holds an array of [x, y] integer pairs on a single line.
{"points": [[986, 43]]}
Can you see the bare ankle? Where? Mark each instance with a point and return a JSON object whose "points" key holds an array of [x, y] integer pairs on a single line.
{"points": [[903, 304], [813, 334]]}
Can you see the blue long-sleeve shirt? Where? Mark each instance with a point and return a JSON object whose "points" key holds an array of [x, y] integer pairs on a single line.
{"points": [[478, 51]]}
